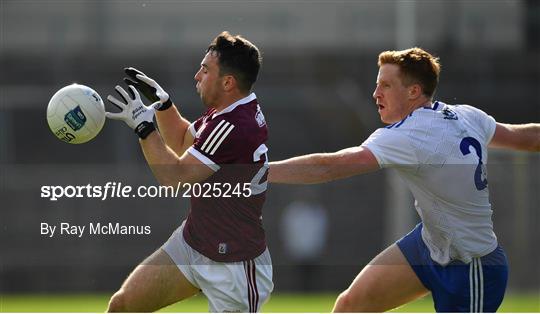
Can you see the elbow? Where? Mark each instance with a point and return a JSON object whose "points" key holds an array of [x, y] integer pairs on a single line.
{"points": [[536, 146], [168, 181], [169, 175], [529, 146]]}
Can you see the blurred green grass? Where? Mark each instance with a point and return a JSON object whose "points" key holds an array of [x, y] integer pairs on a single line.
{"points": [[280, 302]]}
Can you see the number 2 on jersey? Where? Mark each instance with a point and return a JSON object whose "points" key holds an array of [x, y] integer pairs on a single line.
{"points": [[257, 187], [464, 146]]}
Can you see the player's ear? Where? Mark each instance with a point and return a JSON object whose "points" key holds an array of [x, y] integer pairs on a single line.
{"points": [[229, 83], [415, 91]]}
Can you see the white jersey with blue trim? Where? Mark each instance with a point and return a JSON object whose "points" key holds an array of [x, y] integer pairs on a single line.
{"points": [[441, 153]]}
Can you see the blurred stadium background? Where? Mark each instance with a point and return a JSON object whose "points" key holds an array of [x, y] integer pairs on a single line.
{"points": [[315, 85]]}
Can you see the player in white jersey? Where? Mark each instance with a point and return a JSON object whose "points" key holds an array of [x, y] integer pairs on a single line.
{"points": [[440, 151]]}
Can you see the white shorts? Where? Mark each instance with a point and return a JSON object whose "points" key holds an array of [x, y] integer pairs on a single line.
{"points": [[229, 287]]}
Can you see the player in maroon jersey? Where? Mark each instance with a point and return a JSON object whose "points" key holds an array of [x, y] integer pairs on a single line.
{"points": [[220, 249]]}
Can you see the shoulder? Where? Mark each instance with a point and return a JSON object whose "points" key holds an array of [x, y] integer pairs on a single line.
{"points": [[438, 114], [210, 136], [470, 119], [463, 111], [202, 120], [248, 119], [391, 149], [467, 110], [245, 112], [233, 132], [472, 114]]}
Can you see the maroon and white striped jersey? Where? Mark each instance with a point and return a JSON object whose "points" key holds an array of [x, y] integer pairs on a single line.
{"points": [[228, 228]]}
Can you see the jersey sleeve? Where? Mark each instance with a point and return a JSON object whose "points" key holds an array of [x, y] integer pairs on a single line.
{"points": [[391, 149], [192, 129], [486, 123], [194, 126], [216, 144]]}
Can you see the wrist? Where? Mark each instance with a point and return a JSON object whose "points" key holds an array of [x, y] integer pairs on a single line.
{"points": [[144, 129], [164, 105]]}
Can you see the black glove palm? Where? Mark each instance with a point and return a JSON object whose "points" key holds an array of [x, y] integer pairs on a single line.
{"points": [[148, 87]]}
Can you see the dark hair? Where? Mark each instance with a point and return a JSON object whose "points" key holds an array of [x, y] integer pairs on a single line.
{"points": [[237, 57], [417, 66]]}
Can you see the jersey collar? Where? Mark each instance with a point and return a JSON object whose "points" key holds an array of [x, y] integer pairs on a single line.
{"points": [[242, 101], [432, 106]]}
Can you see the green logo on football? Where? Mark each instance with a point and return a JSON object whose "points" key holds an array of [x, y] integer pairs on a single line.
{"points": [[75, 118]]}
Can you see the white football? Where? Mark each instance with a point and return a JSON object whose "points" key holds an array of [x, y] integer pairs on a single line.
{"points": [[76, 114]]}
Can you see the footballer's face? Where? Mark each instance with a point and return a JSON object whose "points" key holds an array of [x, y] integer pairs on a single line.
{"points": [[391, 96], [209, 85]]}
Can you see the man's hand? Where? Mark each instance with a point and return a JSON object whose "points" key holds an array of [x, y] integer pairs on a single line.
{"points": [[148, 87], [133, 112]]}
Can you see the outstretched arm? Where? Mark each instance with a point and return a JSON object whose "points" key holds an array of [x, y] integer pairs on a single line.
{"points": [[323, 167], [517, 136]]}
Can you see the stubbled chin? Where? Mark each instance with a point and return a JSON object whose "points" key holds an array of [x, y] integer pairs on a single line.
{"points": [[382, 116], [385, 120]]}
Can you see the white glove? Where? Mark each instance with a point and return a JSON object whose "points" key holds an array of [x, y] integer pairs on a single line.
{"points": [[133, 112], [148, 87]]}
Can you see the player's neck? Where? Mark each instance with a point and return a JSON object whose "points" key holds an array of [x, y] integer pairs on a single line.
{"points": [[423, 102], [229, 99]]}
